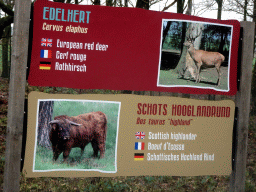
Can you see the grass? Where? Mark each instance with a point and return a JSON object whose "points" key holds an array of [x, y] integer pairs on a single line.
{"points": [[209, 79], [76, 161], [140, 183]]}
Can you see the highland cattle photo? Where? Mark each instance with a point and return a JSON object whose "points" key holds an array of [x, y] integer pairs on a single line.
{"points": [[195, 54], [76, 135]]}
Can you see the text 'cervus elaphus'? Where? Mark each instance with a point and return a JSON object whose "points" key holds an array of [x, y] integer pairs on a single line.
{"points": [[206, 59]]}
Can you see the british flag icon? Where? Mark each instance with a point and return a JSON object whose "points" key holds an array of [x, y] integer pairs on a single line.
{"points": [[46, 42], [140, 135]]}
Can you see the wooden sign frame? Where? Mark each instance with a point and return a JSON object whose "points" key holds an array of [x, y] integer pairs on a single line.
{"points": [[17, 96]]}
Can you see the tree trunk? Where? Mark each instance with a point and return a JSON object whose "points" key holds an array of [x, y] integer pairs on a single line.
{"points": [[183, 35], [219, 2], [44, 117], [189, 9], [245, 9], [165, 31], [96, 2], [180, 6], [126, 3], [144, 4], [222, 41], [109, 3], [186, 66]]}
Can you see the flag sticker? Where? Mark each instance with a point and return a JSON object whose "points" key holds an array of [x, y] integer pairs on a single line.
{"points": [[138, 156], [44, 65], [140, 135], [139, 145], [46, 42], [45, 53]]}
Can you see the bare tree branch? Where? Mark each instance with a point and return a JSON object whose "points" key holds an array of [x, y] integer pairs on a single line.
{"points": [[203, 7], [167, 7], [241, 7], [154, 2]]}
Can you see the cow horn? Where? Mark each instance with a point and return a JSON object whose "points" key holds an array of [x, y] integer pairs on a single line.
{"points": [[54, 121], [73, 123]]}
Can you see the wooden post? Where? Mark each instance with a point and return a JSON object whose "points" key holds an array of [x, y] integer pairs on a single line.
{"points": [[17, 95], [237, 178]]}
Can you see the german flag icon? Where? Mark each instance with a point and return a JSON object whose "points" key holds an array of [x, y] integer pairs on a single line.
{"points": [[138, 156], [44, 65]]}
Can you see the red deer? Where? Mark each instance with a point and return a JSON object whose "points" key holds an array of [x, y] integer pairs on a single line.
{"points": [[70, 132], [206, 59]]}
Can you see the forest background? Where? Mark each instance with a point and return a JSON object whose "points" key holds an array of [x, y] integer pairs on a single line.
{"points": [[243, 9]]}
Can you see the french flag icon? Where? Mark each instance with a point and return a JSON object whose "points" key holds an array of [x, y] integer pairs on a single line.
{"points": [[139, 145], [45, 53]]}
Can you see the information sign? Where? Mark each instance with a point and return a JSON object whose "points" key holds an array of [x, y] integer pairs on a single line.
{"points": [[127, 135], [99, 47]]}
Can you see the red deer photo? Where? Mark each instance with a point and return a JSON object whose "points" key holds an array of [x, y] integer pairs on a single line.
{"points": [[195, 54], [76, 135], [204, 58]]}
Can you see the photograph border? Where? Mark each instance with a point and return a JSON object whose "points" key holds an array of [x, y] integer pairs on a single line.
{"points": [[196, 86], [76, 100]]}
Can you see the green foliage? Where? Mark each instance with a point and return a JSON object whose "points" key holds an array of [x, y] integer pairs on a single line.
{"points": [[211, 39], [3, 121], [171, 43], [173, 37]]}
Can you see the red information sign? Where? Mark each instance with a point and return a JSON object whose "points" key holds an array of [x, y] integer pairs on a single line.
{"points": [[98, 47]]}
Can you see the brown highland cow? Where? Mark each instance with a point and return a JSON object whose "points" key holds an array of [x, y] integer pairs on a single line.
{"points": [[69, 132]]}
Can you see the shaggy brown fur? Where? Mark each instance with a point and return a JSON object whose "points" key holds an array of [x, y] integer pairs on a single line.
{"points": [[69, 132]]}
